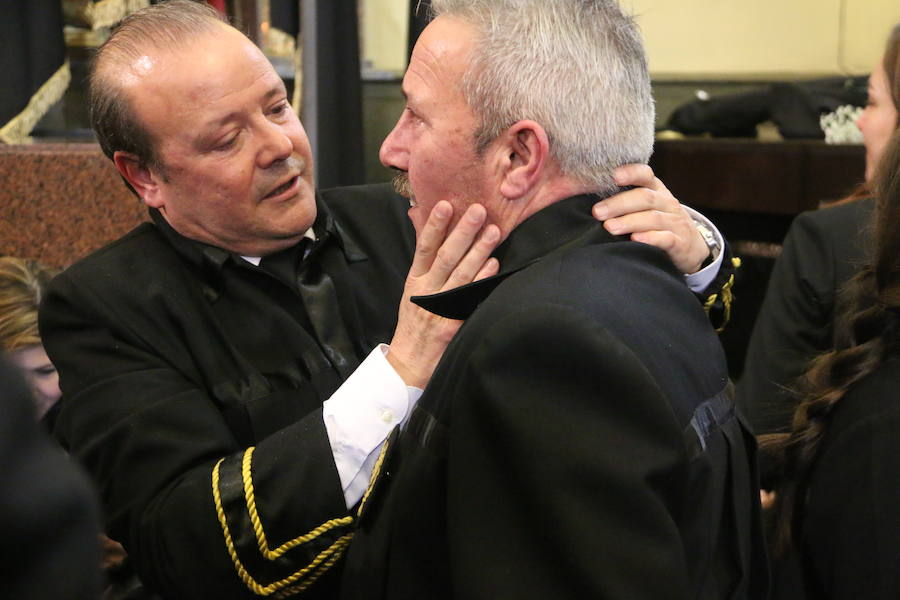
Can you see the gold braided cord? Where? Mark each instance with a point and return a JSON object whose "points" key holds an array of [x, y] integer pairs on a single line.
{"points": [[297, 96], [727, 297], [103, 13], [314, 569], [250, 496], [17, 129], [376, 471], [296, 589], [277, 42]]}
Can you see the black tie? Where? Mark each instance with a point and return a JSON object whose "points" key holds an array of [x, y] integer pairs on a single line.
{"points": [[319, 298]]}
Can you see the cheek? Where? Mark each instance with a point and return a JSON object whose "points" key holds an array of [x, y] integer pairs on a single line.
{"points": [[48, 385], [226, 185], [883, 123]]}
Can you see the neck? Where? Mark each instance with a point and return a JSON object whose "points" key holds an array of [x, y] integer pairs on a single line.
{"points": [[510, 212]]}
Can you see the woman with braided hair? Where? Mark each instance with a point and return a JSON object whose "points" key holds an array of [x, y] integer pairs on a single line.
{"points": [[837, 531], [822, 251]]}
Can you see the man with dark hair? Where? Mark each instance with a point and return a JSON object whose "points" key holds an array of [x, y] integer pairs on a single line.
{"points": [[222, 374], [578, 438]]}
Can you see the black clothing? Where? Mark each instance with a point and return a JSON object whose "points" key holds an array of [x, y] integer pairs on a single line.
{"points": [[850, 536], [822, 252], [48, 515], [175, 358], [576, 440], [795, 107]]}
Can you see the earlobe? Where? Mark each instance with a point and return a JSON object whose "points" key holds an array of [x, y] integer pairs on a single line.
{"points": [[139, 176], [527, 150]]}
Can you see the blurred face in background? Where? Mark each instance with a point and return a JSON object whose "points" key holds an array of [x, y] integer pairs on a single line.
{"points": [[878, 120], [40, 374]]}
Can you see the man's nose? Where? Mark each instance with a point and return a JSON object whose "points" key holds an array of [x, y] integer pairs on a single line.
{"points": [[276, 145], [393, 153]]}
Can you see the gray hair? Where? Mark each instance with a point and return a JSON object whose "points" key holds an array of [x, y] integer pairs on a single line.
{"points": [[170, 24], [576, 67]]}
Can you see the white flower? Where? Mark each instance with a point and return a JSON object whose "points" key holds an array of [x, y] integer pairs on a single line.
{"points": [[840, 126]]}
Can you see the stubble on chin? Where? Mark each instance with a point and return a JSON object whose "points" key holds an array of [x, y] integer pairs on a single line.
{"points": [[403, 187]]}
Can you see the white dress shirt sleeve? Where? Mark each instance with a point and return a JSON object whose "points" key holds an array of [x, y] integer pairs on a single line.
{"points": [[700, 280], [361, 414]]}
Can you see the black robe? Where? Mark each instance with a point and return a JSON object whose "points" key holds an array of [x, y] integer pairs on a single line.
{"points": [[175, 358], [577, 439]]}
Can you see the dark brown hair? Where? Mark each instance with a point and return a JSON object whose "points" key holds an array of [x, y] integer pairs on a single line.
{"points": [[868, 334]]}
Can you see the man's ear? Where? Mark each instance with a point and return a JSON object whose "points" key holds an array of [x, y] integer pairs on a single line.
{"points": [[140, 177], [526, 148]]}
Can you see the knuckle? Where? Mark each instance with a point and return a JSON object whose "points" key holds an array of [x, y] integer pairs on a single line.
{"points": [[443, 259]]}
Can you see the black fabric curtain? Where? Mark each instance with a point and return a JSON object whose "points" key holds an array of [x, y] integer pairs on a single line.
{"points": [[285, 15], [337, 92], [32, 50]]}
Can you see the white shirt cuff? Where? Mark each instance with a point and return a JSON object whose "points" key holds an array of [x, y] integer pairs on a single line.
{"points": [[700, 280], [360, 415]]}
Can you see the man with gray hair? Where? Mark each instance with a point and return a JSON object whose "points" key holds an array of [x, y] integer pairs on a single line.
{"points": [[578, 437]]}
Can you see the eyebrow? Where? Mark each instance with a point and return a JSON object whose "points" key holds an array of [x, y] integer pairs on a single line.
{"points": [[273, 91]]}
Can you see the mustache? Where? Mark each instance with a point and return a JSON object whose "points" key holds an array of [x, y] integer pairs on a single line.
{"points": [[277, 172], [402, 185]]}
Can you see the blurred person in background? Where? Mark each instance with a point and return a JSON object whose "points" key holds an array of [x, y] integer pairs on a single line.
{"points": [[838, 505], [822, 251], [22, 284], [48, 513]]}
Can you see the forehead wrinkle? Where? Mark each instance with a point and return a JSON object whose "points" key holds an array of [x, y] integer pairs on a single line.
{"points": [[431, 73]]}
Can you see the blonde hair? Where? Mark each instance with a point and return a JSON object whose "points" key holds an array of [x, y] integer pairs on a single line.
{"points": [[22, 285]]}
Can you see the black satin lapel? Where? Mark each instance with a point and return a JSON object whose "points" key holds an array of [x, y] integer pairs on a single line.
{"points": [[461, 302], [320, 299]]}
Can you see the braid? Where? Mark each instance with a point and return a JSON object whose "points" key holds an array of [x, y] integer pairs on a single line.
{"points": [[868, 334], [824, 385]]}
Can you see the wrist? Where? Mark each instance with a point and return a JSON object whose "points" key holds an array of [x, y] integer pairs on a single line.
{"points": [[710, 243], [403, 370]]}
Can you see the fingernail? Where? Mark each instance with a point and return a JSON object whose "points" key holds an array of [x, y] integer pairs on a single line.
{"points": [[442, 211], [475, 215], [618, 175], [601, 212], [491, 235], [612, 227]]}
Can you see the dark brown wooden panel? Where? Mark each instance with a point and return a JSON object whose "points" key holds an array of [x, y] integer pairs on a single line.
{"points": [[748, 176]]}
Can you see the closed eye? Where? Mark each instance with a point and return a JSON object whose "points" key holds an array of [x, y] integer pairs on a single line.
{"points": [[227, 144]]}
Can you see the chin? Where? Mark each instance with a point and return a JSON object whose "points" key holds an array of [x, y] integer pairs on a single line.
{"points": [[300, 212]]}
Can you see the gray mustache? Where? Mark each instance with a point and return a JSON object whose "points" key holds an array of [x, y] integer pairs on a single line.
{"points": [[402, 185]]}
